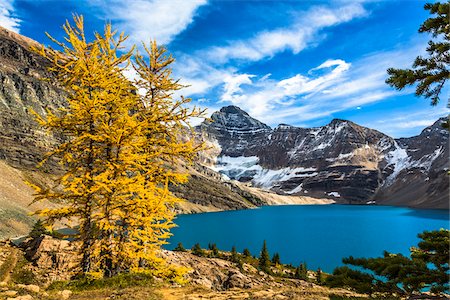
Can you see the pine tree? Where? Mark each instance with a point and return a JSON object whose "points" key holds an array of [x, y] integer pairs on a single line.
{"points": [[38, 230], [433, 249], [319, 276], [246, 253], [180, 248], [264, 259], [430, 73], [301, 272], [197, 250], [234, 255], [276, 259], [427, 269], [120, 153], [214, 250]]}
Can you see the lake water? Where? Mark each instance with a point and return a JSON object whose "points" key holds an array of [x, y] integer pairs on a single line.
{"points": [[320, 235]]}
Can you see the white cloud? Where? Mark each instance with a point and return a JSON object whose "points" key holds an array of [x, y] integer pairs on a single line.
{"points": [[7, 17], [261, 96], [333, 86], [300, 84], [143, 20], [198, 75], [232, 85], [397, 124], [294, 38]]}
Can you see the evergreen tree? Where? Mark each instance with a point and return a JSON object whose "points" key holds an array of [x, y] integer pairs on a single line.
{"points": [[234, 255], [264, 259], [301, 272], [433, 249], [246, 253], [319, 276], [276, 259], [180, 248], [427, 269], [121, 150], [431, 72], [197, 250], [214, 250], [345, 277], [38, 230]]}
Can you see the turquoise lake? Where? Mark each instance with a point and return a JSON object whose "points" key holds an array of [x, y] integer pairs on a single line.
{"points": [[320, 235]]}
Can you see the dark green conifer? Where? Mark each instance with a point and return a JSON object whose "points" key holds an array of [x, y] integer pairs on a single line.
{"points": [[234, 255], [264, 259], [301, 272], [197, 250], [37, 230], [319, 276], [276, 259], [180, 248]]}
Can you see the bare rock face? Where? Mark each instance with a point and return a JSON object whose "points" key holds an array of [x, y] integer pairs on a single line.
{"points": [[56, 259], [416, 171], [237, 132], [23, 90], [220, 275], [342, 160]]}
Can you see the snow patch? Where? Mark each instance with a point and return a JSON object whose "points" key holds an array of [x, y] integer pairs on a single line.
{"points": [[298, 189], [334, 194], [247, 167], [341, 156], [399, 159], [267, 178]]}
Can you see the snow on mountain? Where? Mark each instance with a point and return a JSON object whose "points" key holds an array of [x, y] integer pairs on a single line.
{"points": [[343, 160]]}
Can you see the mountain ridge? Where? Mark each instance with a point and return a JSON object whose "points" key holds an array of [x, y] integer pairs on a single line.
{"points": [[341, 159]]}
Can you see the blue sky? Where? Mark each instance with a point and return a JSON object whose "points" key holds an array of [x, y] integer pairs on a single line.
{"points": [[297, 62]]}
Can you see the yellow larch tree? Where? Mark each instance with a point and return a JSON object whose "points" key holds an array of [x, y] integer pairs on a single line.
{"points": [[120, 149]]}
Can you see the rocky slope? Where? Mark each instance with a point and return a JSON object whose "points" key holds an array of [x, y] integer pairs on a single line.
{"points": [[22, 90], [342, 160], [28, 271]]}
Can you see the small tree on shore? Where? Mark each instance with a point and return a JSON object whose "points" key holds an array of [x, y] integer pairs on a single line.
{"points": [[180, 248], [428, 268], [246, 253], [264, 259], [37, 230], [214, 250], [319, 276], [276, 259], [301, 272], [197, 250], [234, 255]]}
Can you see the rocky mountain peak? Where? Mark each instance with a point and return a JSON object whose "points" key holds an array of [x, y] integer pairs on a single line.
{"points": [[233, 119], [232, 109], [436, 128]]}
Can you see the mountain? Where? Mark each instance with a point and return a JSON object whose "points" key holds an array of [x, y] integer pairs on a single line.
{"points": [[342, 160], [23, 144]]}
